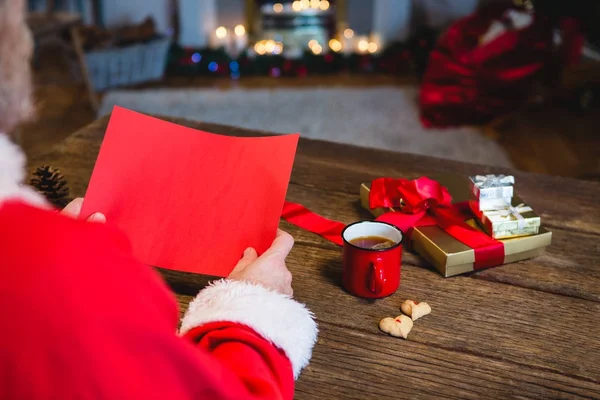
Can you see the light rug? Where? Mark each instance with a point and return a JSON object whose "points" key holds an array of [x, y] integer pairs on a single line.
{"points": [[379, 117]]}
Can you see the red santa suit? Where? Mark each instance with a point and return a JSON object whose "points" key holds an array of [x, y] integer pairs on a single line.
{"points": [[81, 318]]}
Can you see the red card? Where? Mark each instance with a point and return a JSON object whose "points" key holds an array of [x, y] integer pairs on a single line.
{"points": [[189, 200]]}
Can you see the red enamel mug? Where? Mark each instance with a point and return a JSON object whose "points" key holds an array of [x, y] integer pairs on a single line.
{"points": [[367, 272]]}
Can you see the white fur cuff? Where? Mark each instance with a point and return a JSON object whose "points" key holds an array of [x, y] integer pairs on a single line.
{"points": [[12, 173], [288, 324]]}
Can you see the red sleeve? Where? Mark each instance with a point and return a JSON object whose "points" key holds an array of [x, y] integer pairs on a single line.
{"points": [[263, 369], [82, 319]]}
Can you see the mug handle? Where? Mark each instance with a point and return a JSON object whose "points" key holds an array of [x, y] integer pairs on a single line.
{"points": [[375, 277]]}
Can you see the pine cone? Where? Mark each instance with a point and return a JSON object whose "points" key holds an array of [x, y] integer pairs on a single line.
{"points": [[50, 183]]}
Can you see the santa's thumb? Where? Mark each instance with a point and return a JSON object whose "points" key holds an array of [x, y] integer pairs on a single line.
{"points": [[248, 258]]}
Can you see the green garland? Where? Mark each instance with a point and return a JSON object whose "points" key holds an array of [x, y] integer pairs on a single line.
{"points": [[394, 59]]}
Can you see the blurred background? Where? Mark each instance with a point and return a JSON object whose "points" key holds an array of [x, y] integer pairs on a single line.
{"points": [[507, 83]]}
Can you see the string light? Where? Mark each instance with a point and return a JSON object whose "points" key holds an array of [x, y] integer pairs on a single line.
{"points": [[272, 50], [278, 7], [221, 32], [275, 72], [278, 48], [297, 5], [270, 46], [363, 46], [305, 3], [315, 3], [259, 48], [335, 45], [324, 5], [239, 30]]}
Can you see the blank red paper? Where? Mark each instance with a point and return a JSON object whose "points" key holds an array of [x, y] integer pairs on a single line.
{"points": [[189, 200]]}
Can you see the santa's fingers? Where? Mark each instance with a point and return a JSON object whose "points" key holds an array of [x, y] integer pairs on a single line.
{"points": [[73, 209]]}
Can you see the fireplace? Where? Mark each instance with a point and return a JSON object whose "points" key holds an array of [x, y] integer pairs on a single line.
{"points": [[294, 25]]}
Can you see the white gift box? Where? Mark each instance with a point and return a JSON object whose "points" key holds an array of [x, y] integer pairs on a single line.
{"points": [[490, 204], [484, 187]]}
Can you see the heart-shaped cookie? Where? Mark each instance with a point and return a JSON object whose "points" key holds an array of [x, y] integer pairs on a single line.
{"points": [[398, 327], [414, 309]]}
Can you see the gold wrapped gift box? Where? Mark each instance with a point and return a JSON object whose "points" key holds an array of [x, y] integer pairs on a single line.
{"points": [[450, 256], [506, 223]]}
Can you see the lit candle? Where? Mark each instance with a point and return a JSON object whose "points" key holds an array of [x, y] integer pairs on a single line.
{"points": [[317, 49], [278, 7], [219, 39], [362, 44], [335, 45], [348, 41], [372, 48], [259, 48], [270, 46], [375, 43], [240, 40]]}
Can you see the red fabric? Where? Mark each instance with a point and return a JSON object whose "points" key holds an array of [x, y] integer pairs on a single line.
{"points": [[574, 39], [302, 217], [469, 83], [417, 195], [82, 319], [425, 202]]}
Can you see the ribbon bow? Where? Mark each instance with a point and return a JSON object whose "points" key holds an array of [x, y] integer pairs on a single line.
{"points": [[486, 181], [411, 196], [511, 211]]}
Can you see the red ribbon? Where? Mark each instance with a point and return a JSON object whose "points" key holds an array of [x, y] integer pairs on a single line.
{"points": [[412, 196], [424, 202], [302, 217]]}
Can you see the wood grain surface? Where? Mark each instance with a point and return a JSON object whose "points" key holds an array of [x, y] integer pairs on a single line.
{"points": [[523, 330]]}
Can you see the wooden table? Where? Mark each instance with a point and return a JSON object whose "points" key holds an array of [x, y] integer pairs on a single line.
{"points": [[529, 329]]}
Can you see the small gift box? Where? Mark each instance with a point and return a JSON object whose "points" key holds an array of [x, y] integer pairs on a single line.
{"points": [[490, 204], [485, 187], [449, 255], [515, 220]]}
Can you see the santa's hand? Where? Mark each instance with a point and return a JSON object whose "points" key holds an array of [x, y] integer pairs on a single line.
{"points": [[269, 269], [73, 209]]}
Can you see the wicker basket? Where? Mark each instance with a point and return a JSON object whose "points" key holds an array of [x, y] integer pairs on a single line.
{"points": [[128, 65]]}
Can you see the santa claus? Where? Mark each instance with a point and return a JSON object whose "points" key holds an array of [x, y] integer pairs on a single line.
{"points": [[81, 318]]}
